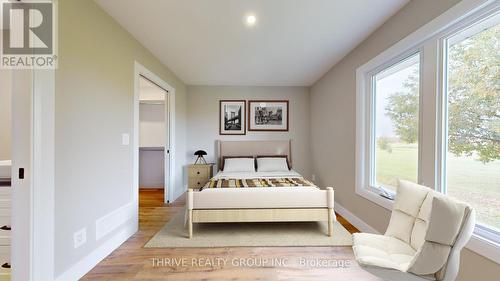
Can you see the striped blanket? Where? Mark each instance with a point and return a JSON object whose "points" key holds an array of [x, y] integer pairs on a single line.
{"points": [[257, 182]]}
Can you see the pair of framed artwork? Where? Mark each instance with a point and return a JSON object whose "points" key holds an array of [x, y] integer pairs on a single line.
{"points": [[263, 115]]}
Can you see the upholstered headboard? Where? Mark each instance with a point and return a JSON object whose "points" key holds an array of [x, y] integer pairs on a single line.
{"points": [[254, 148]]}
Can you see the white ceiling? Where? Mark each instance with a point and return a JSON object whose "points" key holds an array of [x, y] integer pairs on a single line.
{"points": [[205, 42]]}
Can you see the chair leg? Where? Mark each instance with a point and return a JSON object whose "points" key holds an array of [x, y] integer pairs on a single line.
{"points": [[330, 222], [190, 223]]}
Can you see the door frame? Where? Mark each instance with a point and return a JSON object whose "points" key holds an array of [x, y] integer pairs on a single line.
{"points": [[33, 143], [140, 70]]}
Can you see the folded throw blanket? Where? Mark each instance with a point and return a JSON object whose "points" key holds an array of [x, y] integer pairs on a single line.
{"points": [[258, 182]]}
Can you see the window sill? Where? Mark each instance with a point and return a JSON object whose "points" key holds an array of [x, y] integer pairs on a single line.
{"points": [[484, 247], [375, 198]]}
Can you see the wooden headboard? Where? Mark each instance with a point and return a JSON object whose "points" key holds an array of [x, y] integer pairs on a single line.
{"points": [[254, 148]]}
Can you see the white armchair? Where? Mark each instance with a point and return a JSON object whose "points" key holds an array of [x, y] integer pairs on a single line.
{"points": [[424, 238]]}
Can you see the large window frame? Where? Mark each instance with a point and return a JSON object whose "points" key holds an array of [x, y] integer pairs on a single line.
{"points": [[486, 234], [372, 99], [430, 41]]}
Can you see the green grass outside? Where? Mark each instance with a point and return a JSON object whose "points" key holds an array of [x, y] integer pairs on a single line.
{"points": [[468, 179]]}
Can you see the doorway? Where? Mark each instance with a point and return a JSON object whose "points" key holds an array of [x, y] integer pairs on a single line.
{"points": [[153, 134]]}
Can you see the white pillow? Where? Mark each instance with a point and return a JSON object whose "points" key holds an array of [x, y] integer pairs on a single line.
{"points": [[270, 164], [239, 165]]}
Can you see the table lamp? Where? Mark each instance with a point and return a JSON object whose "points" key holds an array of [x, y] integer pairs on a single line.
{"points": [[200, 154]]}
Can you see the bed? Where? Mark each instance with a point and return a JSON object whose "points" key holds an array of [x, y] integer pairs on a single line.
{"points": [[240, 203]]}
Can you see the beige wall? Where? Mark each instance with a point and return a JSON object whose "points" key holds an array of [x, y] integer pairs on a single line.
{"points": [[94, 106], [5, 118], [203, 122], [333, 125]]}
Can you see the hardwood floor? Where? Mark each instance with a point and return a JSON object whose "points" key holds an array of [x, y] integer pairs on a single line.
{"points": [[133, 262]]}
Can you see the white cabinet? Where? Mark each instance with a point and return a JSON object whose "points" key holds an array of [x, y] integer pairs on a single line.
{"points": [[5, 233]]}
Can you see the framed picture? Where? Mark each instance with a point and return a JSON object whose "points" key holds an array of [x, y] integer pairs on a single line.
{"points": [[268, 115], [232, 117]]}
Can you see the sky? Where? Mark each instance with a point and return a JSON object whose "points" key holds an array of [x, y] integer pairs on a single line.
{"points": [[385, 87]]}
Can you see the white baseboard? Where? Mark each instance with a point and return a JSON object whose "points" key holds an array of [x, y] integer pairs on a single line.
{"points": [[354, 220], [152, 184], [114, 220], [78, 270]]}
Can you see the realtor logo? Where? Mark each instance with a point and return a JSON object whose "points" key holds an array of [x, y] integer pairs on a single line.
{"points": [[28, 35]]}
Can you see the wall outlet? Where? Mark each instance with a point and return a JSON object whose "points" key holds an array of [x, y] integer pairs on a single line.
{"points": [[125, 139], [313, 177], [80, 237]]}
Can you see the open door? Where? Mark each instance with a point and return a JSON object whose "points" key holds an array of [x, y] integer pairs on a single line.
{"points": [[166, 149]]}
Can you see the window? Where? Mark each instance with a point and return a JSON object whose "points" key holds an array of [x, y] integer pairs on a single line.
{"points": [[472, 161], [396, 92], [428, 111]]}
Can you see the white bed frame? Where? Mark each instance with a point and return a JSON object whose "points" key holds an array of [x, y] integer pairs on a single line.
{"points": [[263, 205]]}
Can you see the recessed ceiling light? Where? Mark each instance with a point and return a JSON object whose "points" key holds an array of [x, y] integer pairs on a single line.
{"points": [[251, 20]]}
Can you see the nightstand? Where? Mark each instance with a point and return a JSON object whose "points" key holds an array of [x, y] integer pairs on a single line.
{"points": [[199, 175]]}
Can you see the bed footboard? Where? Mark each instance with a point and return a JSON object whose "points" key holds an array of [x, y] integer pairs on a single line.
{"points": [[207, 207]]}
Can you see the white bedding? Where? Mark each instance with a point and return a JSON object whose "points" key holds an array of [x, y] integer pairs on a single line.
{"points": [[5, 167], [253, 175]]}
